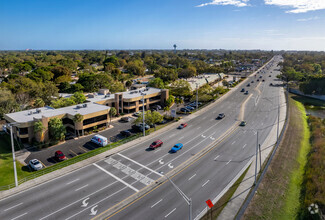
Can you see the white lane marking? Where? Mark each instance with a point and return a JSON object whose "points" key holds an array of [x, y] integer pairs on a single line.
{"points": [[93, 211], [170, 166], [115, 177], [161, 161], [228, 162], [191, 177], [198, 127], [155, 151], [19, 216], [216, 157], [172, 135], [140, 164], [181, 138], [156, 203], [170, 213], [12, 207], [205, 183], [244, 145], [72, 181], [233, 143], [94, 204], [212, 138], [81, 187]]}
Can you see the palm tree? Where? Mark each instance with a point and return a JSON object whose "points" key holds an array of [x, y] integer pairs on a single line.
{"points": [[78, 118], [112, 112], [39, 128]]}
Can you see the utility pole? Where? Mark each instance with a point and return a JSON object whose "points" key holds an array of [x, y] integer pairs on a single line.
{"points": [[13, 155], [259, 147], [197, 96], [143, 126], [256, 157], [277, 130]]}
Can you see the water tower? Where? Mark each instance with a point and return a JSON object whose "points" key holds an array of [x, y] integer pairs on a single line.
{"points": [[175, 46]]}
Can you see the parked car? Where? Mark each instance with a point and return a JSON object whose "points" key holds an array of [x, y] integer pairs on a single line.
{"points": [[176, 148], [35, 164], [248, 85], [242, 123], [242, 90], [270, 76], [99, 140], [158, 107], [139, 127], [271, 84], [125, 119], [189, 108], [252, 81], [221, 116], [162, 122], [257, 80], [260, 76], [137, 114], [263, 80], [181, 126], [126, 133], [185, 110], [246, 93], [59, 156], [156, 144]]}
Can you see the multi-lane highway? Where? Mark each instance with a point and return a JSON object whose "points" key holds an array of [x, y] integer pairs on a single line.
{"points": [[101, 187]]}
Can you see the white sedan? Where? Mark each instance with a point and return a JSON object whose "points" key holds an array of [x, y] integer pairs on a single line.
{"points": [[35, 164]]}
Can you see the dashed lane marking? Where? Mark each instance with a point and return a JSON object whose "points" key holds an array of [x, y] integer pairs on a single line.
{"points": [[72, 181], [170, 213], [156, 203]]}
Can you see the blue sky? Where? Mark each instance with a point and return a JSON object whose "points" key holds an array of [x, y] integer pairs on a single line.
{"points": [[158, 24]]}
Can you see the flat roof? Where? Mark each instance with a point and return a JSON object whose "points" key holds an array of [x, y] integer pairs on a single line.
{"points": [[25, 116], [126, 95]]}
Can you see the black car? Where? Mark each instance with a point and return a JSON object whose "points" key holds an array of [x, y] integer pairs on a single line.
{"points": [[242, 90], [126, 133], [185, 110], [221, 116], [248, 85]]}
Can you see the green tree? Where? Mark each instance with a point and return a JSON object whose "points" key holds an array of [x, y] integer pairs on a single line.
{"points": [[156, 83], [112, 113], [78, 97], [179, 101], [57, 129], [170, 101], [39, 130], [39, 103], [8, 102], [181, 88]]}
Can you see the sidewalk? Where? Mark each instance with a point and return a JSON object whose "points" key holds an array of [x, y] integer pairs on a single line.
{"points": [[234, 204]]}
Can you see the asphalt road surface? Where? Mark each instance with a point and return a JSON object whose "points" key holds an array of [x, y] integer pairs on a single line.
{"points": [[94, 189]]}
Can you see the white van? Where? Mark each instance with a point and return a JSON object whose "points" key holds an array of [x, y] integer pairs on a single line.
{"points": [[100, 140]]}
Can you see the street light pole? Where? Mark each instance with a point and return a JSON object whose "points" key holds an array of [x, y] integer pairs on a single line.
{"points": [[187, 200], [256, 157], [143, 126], [197, 96], [13, 155]]}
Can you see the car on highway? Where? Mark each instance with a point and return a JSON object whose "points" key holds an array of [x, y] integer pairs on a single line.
{"points": [[242, 123], [59, 156], [260, 76], [183, 125], [242, 90], [156, 144], [221, 116], [257, 80], [270, 76], [263, 80], [252, 81], [176, 148], [35, 164], [248, 85], [246, 93], [126, 133]]}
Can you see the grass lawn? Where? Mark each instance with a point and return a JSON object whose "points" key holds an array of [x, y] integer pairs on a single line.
{"points": [[279, 192], [6, 163]]}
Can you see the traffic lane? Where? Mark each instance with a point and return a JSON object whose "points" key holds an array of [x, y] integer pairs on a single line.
{"points": [[56, 193], [72, 148]]}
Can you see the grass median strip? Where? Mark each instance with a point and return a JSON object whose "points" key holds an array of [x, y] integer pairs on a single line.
{"points": [[279, 192]]}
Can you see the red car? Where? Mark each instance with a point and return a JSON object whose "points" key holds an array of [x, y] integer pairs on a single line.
{"points": [[59, 155], [182, 126], [156, 144]]}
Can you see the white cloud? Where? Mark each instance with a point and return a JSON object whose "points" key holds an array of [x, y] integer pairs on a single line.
{"points": [[298, 6], [308, 19], [238, 3]]}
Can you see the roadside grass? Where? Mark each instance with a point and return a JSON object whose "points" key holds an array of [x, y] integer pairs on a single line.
{"points": [[309, 101], [223, 201], [278, 196], [6, 163]]}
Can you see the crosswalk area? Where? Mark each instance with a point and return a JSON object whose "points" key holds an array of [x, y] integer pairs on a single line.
{"points": [[128, 172]]}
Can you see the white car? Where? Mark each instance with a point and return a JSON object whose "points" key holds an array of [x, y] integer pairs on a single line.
{"points": [[35, 164]]}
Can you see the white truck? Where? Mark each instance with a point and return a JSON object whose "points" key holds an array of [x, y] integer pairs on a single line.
{"points": [[99, 140]]}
